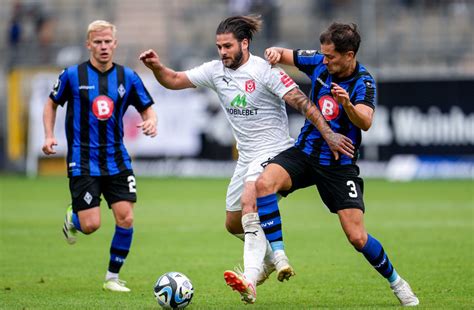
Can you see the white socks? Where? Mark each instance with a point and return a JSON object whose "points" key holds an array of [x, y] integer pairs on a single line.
{"points": [[255, 246], [110, 275], [269, 255]]}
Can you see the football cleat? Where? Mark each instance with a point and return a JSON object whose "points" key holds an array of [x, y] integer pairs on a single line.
{"points": [[404, 293], [267, 269], [239, 283], [115, 285], [283, 267], [69, 230]]}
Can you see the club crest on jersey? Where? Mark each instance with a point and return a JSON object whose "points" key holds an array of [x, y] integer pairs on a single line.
{"points": [[121, 90], [102, 107], [329, 107], [250, 86]]}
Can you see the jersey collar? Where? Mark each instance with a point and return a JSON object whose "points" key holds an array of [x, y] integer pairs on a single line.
{"points": [[347, 78], [89, 63]]}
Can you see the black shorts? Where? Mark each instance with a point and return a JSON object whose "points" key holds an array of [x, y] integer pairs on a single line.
{"points": [[340, 187], [86, 190]]}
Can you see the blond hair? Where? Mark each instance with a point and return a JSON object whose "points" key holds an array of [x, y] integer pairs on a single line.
{"points": [[99, 25]]}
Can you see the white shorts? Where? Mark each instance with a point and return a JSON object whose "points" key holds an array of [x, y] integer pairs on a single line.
{"points": [[244, 172]]}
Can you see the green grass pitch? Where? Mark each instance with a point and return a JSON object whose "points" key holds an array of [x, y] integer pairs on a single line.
{"points": [[426, 227]]}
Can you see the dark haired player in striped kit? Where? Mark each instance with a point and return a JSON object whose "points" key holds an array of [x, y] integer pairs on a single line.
{"points": [[98, 93], [345, 93]]}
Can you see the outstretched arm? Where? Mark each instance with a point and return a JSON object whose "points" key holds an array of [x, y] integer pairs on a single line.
{"points": [[167, 77], [337, 143], [49, 119], [280, 55]]}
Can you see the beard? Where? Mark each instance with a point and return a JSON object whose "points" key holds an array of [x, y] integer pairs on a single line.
{"points": [[237, 60]]}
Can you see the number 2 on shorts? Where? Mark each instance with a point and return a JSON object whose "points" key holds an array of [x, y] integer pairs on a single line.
{"points": [[131, 184]]}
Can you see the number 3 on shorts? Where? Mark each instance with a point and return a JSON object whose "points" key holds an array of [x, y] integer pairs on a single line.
{"points": [[352, 187], [131, 184]]}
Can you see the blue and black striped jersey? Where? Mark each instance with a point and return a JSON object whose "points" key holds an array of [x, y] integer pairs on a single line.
{"points": [[97, 102], [361, 88]]}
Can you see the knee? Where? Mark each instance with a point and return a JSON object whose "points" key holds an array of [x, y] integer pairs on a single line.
{"points": [[264, 186], [357, 239], [90, 225], [126, 221]]}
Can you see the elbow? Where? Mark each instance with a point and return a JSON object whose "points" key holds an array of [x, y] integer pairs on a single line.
{"points": [[365, 126]]}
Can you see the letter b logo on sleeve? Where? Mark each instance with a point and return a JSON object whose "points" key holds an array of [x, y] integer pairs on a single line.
{"points": [[102, 107]]}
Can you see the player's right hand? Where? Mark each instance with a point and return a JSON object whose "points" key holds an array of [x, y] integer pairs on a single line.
{"points": [[48, 145], [273, 55], [340, 144], [150, 59]]}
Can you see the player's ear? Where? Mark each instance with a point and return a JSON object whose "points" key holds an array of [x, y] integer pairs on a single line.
{"points": [[350, 54], [245, 44]]}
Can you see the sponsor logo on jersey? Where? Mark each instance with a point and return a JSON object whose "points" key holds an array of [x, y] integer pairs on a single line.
{"points": [[250, 86], [286, 79], [238, 107], [87, 87], [102, 107], [239, 101], [329, 107]]}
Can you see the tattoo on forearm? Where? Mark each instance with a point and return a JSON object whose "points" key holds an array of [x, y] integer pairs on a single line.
{"points": [[298, 100]]}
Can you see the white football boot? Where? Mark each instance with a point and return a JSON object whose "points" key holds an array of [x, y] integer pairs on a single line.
{"points": [[283, 267], [115, 285], [404, 293]]}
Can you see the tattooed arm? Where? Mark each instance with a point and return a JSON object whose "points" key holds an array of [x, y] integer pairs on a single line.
{"points": [[337, 143]]}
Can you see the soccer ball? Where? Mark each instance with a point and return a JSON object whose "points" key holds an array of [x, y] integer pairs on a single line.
{"points": [[173, 290]]}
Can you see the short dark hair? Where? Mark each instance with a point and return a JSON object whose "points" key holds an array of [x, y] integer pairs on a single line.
{"points": [[243, 27], [345, 37]]}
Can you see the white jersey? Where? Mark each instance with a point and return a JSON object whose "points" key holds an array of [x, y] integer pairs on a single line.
{"points": [[251, 97]]}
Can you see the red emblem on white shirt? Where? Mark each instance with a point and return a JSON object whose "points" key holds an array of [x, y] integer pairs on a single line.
{"points": [[250, 86]]}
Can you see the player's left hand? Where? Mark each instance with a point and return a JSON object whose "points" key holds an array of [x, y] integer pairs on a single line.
{"points": [[148, 128], [340, 94]]}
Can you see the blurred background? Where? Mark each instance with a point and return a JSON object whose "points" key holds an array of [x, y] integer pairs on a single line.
{"points": [[421, 54]]}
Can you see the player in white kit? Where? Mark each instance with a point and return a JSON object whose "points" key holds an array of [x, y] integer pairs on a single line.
{"points": [[252, 94]]}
